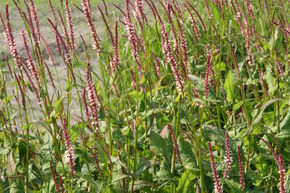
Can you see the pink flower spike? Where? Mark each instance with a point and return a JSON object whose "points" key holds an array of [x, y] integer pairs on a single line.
{"points": [[217, 185], [242, 181], [70, 155], [228, 157], [70, 25]]}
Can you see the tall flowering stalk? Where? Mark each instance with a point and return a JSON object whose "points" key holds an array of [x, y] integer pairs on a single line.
{"points": [[208, 10], [30, 62], [169, 10], [198, 15], [176, 148], [3, 118], [242, 181], [123, 172], [250, 9], [280, 67], [70, 155], [178, 8], [116, 58], [279, 160], [9, 38], [228, 158], [207, 73], [193, 22], [54, 177], [132, 36], [69, 23], [217, 185], [85, 104], [35, 17], [183, 50], [88, 14], [133, 80], [92, 96], [169, 56], [140, 12], [157, 65], [262, 80]]}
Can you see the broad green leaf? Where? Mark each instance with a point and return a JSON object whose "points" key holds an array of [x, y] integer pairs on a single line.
{"points": [[271, 81], [187, 154], [159, 145], [185, 184], [230, 85], [234, 186]]}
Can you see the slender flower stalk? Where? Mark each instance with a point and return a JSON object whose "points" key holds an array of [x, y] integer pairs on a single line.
{"points": [[179, 82], [35, 17], [178, 8], [3, 118], [61, 185], [29, 19], [207, 73], [92, 96], [18, 79], [280, 67], [242, 181], [48, 50], [49, 74], [183, 50], [169, 10], [85, 104], [88, 14], [250, 9], [123, 172], [157, 65], [132, 36], [217, 185], [133, 82], [208, 10], [116, 58], [140, 12], [70, 155], [35, 90], [262, 80], [107, 25], [228, 158], [193, 22], [70, 25], [53, 177], [52, 10], [176, 148], [96, 161], [9, 38], [279, 160], [30, 61], [198, 15]]}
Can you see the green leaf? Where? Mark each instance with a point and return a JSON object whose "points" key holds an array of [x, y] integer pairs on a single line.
{"points": [[231, 83], [259, 117], [139, 184], [164, 173], [234, 186], [187, 154], [143, 165], [159, 145], [271, 81], [185, 182], [285, 124]]}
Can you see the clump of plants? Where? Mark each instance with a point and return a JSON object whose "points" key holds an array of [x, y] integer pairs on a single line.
{"points": [[173, 96]]}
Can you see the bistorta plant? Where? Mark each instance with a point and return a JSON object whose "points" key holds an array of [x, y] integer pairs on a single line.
{"points": [[144, 96]]}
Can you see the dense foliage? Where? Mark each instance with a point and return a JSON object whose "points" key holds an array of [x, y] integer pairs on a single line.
{"points": [[174, 96]]}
